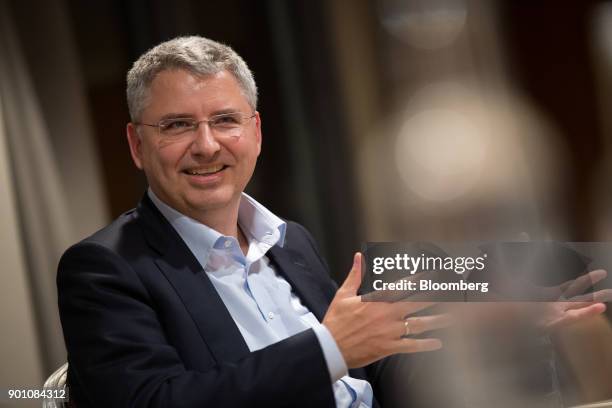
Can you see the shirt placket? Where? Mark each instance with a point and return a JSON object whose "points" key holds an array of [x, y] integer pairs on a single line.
{"points": [[269, 309]]}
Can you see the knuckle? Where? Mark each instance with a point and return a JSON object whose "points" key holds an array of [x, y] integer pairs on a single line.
{"points": [[379, 313], [385, 349], [379, 345], [415, 325]]}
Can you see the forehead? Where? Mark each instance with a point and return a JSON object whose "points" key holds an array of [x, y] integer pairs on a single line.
{"points": [[180, 91]]}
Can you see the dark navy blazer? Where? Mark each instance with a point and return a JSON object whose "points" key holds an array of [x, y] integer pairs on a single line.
{"points": [[144, 326]]}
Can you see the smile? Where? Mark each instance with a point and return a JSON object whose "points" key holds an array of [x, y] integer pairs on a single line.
{"points": [[205, 171]]}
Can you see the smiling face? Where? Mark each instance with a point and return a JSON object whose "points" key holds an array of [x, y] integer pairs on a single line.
{"points": [[195, 172]]}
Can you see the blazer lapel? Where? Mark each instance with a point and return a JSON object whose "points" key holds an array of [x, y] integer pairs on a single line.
{"points": [[192, 285], [294, 268]]}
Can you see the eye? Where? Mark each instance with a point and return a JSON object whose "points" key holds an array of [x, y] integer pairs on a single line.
{"points": [[225, 120], [175, 125]]}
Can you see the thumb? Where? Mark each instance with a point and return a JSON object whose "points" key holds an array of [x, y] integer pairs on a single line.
{"points": [[353, 280]]}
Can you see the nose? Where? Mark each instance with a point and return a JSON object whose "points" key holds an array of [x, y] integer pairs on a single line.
{"points": [[204, 144]]}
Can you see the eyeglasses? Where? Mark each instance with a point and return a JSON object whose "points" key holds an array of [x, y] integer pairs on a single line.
{"points": [[228, 125]]}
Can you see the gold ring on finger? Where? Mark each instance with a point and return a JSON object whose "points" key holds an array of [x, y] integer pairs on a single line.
{"points": [[407, 326]]}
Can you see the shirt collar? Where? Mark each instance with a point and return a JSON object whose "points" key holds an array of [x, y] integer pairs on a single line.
{"points": [[257, 223]]}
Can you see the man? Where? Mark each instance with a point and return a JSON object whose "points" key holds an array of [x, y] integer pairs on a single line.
{"points": [[201, 296]]}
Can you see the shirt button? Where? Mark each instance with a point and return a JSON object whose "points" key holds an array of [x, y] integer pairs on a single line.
{"points": [[270, 315], [228, 243]]}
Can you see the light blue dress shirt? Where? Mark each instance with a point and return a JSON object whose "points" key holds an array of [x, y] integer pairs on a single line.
{"points": [[260, 301]]}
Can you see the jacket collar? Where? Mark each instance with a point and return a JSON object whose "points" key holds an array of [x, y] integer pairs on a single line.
{"points": [[293, 267], [185, 274], [261, 228]]}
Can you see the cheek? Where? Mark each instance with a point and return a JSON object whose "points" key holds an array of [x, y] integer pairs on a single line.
{"points": [[166, 157], [248, 149], [247, 162]]}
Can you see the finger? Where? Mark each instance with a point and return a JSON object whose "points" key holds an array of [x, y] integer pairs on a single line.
{"points": [[402, 309], [407, 345], [418, 325], [582, 283], [604, 295], [565, 286], [353, 280], [576, 305], [575, 315]]}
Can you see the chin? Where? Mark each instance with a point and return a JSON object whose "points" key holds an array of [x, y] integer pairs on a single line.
{"points": [[212, 201]]}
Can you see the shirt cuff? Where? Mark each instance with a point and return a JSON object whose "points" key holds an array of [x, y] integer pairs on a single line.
{"points": [[333, 357]]}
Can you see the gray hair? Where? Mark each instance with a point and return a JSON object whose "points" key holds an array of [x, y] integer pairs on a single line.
{"points": [[198, 55]]}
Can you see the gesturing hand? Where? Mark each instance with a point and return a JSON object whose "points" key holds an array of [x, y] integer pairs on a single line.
{"points": [[368, 331], [575, 306]]}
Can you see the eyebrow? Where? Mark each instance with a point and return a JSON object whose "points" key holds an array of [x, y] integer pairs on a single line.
{"points": [[190, 116], [224, 111], [176, 116]]}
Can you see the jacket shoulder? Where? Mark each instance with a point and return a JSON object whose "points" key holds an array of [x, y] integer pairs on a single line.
{"points": [[118, 236]]}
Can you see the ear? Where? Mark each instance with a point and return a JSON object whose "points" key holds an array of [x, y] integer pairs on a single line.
{"points": [[135, 141], [258, 132]]}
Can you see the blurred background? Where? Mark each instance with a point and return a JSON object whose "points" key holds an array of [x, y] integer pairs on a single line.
{"points": [[382, 120]]}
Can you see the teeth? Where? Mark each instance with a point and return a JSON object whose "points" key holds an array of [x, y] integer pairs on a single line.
{"points": [[206, 170]]}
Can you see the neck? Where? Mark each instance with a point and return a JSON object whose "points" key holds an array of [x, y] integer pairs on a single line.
{"points": [[223, 220]]}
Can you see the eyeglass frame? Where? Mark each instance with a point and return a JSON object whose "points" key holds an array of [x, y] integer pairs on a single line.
{"points": [[196, 123]]}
